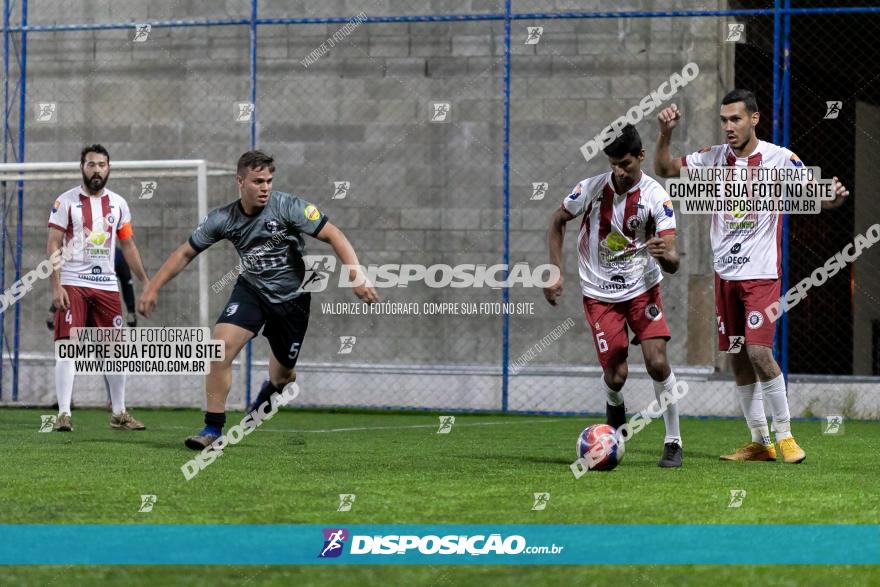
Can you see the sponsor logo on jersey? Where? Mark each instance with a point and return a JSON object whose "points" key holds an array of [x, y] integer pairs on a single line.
{"points": [[755, 319], [575, 194], [732, 258], [617, 283], [796, 161], [653, 312], [96, 270], [272, 226], [231, 309], [312, 212], [667, 208], [616, 242], [56, 206]]}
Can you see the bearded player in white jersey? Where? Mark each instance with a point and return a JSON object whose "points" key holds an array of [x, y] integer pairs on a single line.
{"points": [[626, 237], [747, 252], [93, 220]]}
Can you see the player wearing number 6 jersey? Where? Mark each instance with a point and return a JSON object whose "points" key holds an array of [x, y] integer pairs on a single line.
{"points": [[626, 241], [267, 229], [747, 251]]}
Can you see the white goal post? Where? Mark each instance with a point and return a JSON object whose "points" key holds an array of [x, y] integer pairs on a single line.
{"points": [[198, 168]]}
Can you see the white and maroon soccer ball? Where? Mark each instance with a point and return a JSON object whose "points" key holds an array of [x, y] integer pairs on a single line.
{"points": [[601, 447]]}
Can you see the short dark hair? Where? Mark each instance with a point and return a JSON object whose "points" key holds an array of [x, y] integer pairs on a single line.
{"points": [[747, 97], [96, 148], [255, 160], [628, 141]]}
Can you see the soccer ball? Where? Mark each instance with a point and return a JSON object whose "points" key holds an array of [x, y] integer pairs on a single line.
{"points": [[601, 447]]}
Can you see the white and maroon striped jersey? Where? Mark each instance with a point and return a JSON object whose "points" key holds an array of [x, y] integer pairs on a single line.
{"points": [[94, 223], [745, 245], [613, 259]]}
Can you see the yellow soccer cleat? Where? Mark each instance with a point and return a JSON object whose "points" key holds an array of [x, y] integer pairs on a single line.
{"points": [[791, 452], [753, 451]]}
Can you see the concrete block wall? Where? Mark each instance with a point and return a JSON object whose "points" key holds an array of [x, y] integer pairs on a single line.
{"points": [[421, 192]]}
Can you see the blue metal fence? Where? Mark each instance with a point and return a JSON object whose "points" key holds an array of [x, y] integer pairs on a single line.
{"points": [[781, 12]]}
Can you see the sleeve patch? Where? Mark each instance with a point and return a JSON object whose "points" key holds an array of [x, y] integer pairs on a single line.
{"points": [[311, 212]]}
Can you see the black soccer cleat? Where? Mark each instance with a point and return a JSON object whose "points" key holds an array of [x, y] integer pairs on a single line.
{"points": [[615, 416], [203, 439], [671, 458]]}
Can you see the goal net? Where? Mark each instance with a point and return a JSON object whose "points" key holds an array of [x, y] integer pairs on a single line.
{"points": [[167, 199]]}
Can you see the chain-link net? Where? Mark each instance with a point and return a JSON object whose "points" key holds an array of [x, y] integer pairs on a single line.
{"points": [[396, 132]]}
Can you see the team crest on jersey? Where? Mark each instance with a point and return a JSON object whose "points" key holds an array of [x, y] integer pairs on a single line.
{"points": [[312, 212], [653, 312], [755, 319], [796, 161], [633, 222], [272, 226], [117, 321], [667, 208], [111, 219]]}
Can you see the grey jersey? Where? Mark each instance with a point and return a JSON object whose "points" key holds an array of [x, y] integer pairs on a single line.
{"points": [[269, 243]]}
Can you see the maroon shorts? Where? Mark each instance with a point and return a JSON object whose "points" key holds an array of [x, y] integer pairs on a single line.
{"points": [[643, 313], [88, 307], [740, 311]]}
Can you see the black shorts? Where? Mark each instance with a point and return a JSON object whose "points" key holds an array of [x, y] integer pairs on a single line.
{"points": [[284, 325]]}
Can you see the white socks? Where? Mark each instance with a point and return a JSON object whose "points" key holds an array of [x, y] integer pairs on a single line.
{"points": [[116, 383], [63, 385], [64, 373], [752, 401], [615, 398], [775, 392], [670, 414]]}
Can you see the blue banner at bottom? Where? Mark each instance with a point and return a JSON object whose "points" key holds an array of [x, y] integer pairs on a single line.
{"points": [[374, 544]]}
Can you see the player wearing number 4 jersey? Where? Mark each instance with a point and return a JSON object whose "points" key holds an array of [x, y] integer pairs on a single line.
{"points": [[90, 219], [747, 251], [626, 240], [267, 230]]}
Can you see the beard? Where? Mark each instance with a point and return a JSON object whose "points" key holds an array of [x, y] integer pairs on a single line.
{"points": [[94, 182]]}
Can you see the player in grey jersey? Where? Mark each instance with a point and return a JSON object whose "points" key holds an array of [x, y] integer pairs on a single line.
{"points": [[266, 228]]}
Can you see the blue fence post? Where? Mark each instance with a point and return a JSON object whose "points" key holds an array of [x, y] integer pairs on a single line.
{"points": [[6, 12], [249, 350], [19, 217], [505, 292], [777, 38], [786, 87]]}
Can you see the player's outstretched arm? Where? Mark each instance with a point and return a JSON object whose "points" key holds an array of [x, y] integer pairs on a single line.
{"points": [[664, 164], [59, 295], [663, 249], [331, 235], [175, 263], [555, 237], [840, 193]]}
